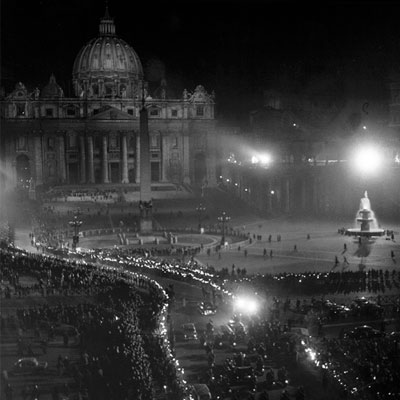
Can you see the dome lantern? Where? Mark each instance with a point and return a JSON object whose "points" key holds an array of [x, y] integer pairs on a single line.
{"points": [[107, 26]]}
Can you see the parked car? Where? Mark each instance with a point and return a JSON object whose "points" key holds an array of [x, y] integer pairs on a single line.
{"points": [[189, 331], [364, 332], [201, 392], [243, 377], [226, 331], [238, 328], [206, 308], [62, 329], [366, 308], [28, 366]]}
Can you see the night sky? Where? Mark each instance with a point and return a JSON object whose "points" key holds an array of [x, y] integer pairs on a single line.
{"points": [[237, 48]]}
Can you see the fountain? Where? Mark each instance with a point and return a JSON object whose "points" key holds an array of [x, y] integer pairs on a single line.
{"points": [[367, 219]]}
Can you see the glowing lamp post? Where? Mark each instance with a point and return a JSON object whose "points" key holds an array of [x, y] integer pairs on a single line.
{"points": [[75, 223], [246, 305], [223, 218], [368, 159], [200, 210]]}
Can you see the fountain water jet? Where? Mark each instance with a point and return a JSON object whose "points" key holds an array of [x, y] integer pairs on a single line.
{"points": [[367, 219]]}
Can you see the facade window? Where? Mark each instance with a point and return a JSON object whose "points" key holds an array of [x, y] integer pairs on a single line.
{"points": [[174, 113], [71, 111], [20, 110], [95, 111], [130, 111], [50, 143], [98, 142], [113, 142], [49, 112], [175, 142], [52, 170], [155, 141], [199, 111], [72, 141], [154, 112], [21, 143]]}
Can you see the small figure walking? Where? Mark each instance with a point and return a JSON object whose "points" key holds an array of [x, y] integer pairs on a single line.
{"points": [[270, 253], [308, 236], [295, 248], [392, 256], [345, 260], [336, 262], [344, 248]]}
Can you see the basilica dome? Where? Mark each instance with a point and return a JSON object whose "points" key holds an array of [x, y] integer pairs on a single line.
{"points": [[107, 66]]}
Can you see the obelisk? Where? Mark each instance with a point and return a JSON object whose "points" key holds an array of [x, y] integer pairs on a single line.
{"points": [[145, 203]]}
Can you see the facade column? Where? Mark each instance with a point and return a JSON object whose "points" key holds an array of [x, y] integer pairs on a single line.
{"points": [[38, 160], [186, 165], [90, 159], [83, 158], [164, 158], [125, 178], [104, 161], [63, 170], [137, 159]]}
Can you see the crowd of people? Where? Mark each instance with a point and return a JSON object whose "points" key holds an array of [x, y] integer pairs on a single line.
{"points": [[110, 330], [367, 368], [373, 281], [94, 195], [6, 233]]}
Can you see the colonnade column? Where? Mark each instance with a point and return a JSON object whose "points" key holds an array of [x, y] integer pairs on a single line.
{"points": [[83, 158], [90, 159], [104, 161], [137, 157], [125, 178]]}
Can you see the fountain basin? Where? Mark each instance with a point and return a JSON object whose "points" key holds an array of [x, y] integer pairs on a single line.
{"points": [[369, 233]]}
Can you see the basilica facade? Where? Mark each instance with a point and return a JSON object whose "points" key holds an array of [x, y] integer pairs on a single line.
{"points": [[93, 137]]}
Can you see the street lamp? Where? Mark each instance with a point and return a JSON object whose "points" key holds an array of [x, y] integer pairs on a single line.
{"points": [[75, 223], [200, 210], [223, 218]]}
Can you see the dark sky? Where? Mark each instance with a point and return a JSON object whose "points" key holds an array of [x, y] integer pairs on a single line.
{"points": [[236, 47]]}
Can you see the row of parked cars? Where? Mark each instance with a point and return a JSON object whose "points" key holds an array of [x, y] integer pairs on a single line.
{"points": [[361, 307]]}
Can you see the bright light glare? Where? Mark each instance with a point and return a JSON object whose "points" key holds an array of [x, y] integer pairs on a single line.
{"points": [[368, 159], [265, 159], [246, 305], [261, 159]]}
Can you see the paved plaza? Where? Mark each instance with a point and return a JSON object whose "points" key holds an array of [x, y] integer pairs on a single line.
{"points": [[303, 245]]}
